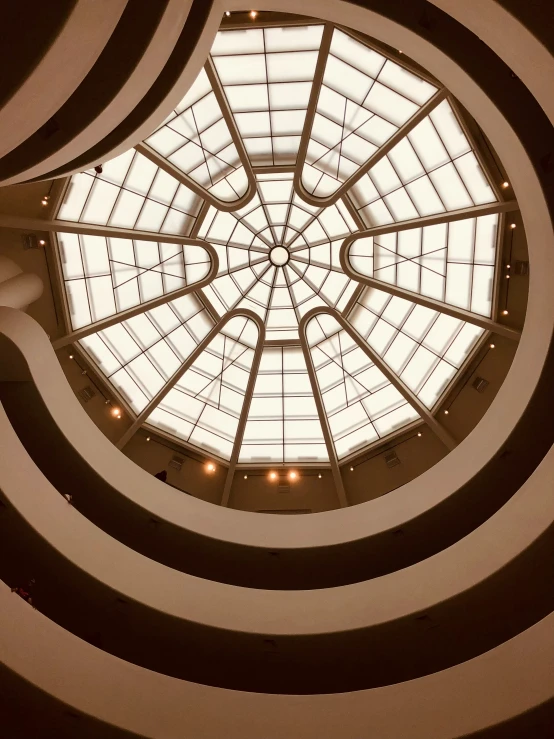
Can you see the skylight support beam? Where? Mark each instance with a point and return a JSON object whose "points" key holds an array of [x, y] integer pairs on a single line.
{"points": [[237, 444], [174, 379], [381, 152], [319, 73], [90, 229], [333, 459], [395, 381], [202, 213], [460, 313], [221, 98]]}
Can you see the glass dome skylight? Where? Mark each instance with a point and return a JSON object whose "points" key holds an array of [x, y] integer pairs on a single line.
{"points": [[297, 263]]}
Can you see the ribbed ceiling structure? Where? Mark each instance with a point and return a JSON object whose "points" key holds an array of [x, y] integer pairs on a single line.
{"points": [[305, 176]]}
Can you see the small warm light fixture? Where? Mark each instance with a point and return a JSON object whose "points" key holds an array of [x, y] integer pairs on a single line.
{"points": [[512, 225], [42, 242], [507, 277], [227, 13], [446, 412], [505, 185], [293, 475], [272, 475], [246, 477], [116, 412], [352, 469], [210, 467], [71, 356], [491, 346], [319, 477], [253, 13], [147, 438], [508, 266], [419, 433], [504, 312]]}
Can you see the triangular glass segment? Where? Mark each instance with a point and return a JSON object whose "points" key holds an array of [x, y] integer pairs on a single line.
{"points": [[363, 100], [362, 406], [204, 407], [105, 276], [283, 423], [434, 169], [267, 76], [131, 192], [138, 356], [423, 347], [197, 140], [451, 262]]}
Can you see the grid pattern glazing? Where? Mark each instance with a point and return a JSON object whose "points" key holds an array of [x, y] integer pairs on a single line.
{"points": [[451, 262], [363, 100], [197, 140], [133, 193], [139, 356], [433, 169], [423, 347], [361, 405], [204, 407], [283, 423], [279, 255], [248, 278], [267, 75], [104, 276]]}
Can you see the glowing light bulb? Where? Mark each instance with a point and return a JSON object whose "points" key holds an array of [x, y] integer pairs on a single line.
{"points": [[253, 13], [504, 312], [293, 475], [116, 412], [419, 433], [507, 277], [42, 242], [246, 477], [272, 475], [227, 13], [352, 469], [71, 356], [505, 185], [491, 346], [512, 225], [319, 477], [210, 467], [446, 413]]}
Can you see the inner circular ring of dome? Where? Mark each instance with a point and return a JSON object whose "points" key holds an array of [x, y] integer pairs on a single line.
{"points": [[355, 244], [279, 256]]}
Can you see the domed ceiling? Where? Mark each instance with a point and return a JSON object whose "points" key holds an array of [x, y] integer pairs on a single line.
{"points": [[297, 263]]}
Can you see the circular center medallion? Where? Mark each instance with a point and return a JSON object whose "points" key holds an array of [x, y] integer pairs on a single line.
{"points": [[279, 256]]}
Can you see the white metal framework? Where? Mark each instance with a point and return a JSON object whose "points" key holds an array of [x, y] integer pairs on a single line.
{"points": [[296, 264]]}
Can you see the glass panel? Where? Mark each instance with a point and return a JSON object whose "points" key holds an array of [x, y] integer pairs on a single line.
{"points": [[204, 407], [131, 193], [364, 99], [283, 424], [451, 262], [434, 168], [425, 348], [104, 276], [268, 91], [197, 140], [357, 397], [139, 355]]}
